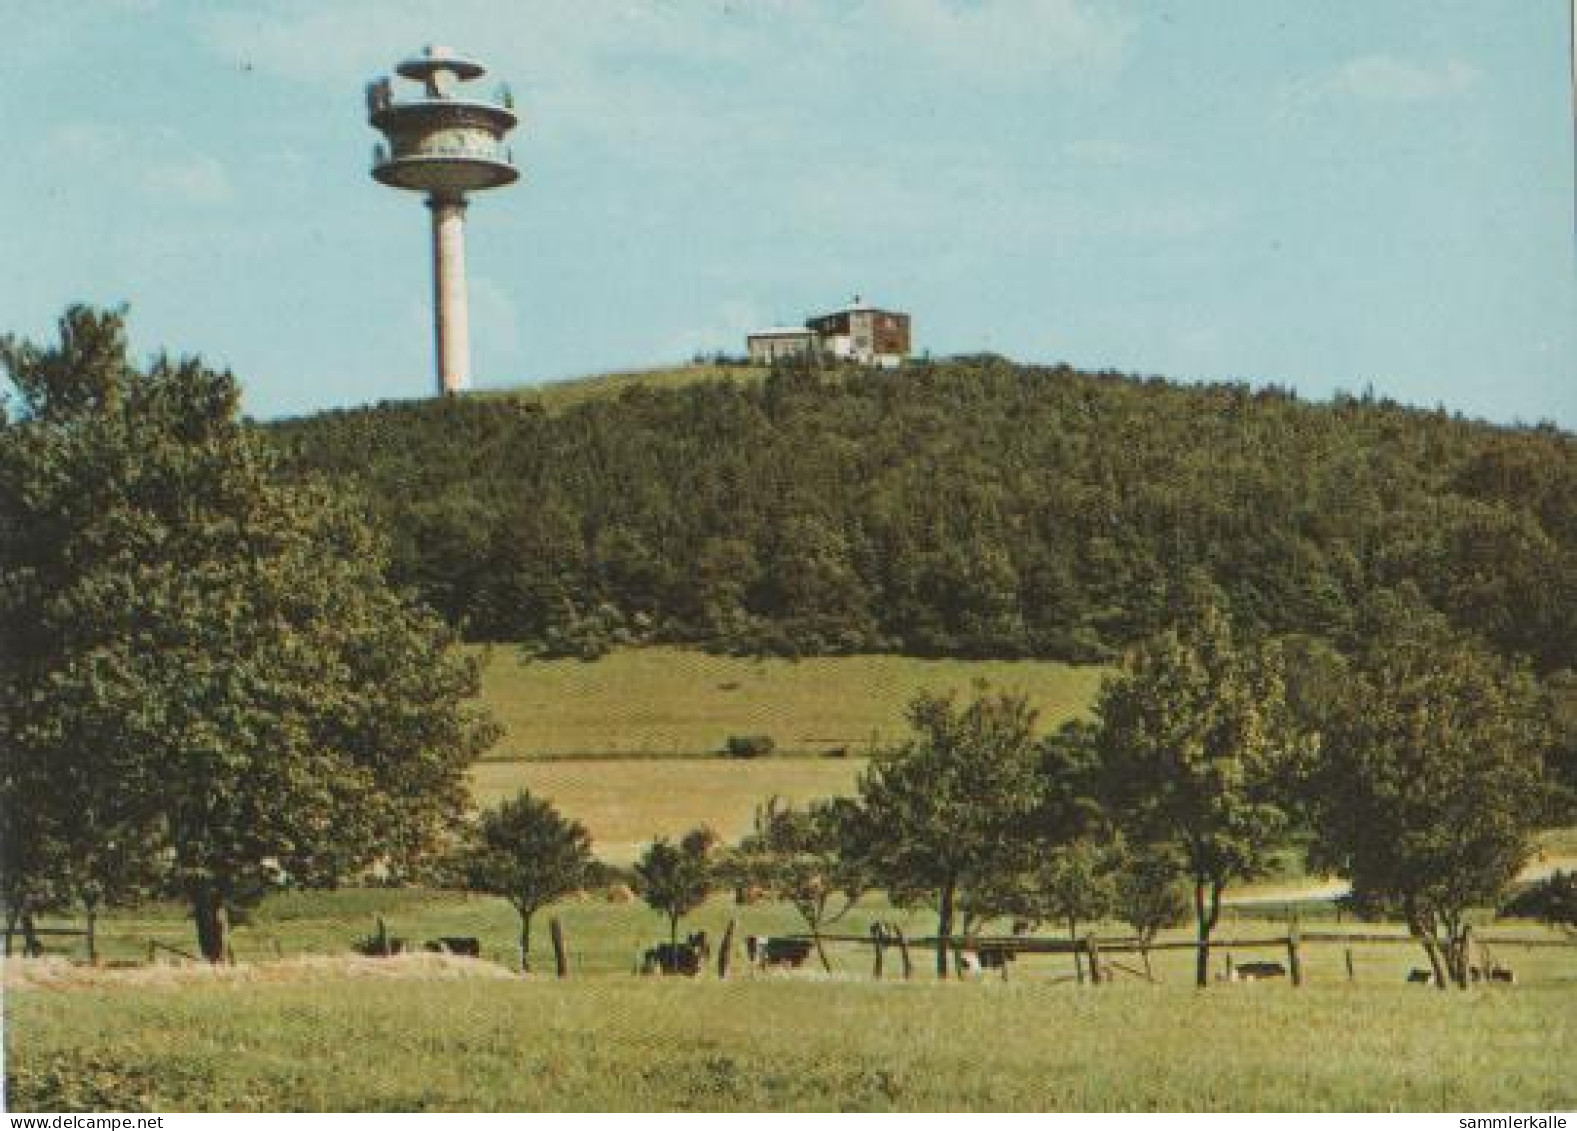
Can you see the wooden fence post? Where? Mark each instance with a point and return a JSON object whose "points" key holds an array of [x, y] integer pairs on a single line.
{"points": [[1294, 966], [1349, 964], [725, 950], [1093, 950], [93, 942], [903, 953], [560, 957], [1464, 955], [878, 947]]}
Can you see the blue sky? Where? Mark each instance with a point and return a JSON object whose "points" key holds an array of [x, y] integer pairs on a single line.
{"points": [[1329, 196]]}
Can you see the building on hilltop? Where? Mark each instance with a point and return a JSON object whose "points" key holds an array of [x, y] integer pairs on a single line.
{"points": [[767, 346], [859, 333]]}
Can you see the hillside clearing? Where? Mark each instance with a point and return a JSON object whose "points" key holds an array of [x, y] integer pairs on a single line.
{"points": [[557, 396], [626, 804], [672, 702]]}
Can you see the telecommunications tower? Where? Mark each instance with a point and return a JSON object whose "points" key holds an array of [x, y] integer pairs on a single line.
{"points": [[445, 145]]}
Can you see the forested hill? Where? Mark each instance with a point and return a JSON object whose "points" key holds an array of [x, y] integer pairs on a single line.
{"points": [[972, 507]]}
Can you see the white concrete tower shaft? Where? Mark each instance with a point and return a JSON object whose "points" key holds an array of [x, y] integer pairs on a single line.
{"points": [[451, 317], [447, 145]]}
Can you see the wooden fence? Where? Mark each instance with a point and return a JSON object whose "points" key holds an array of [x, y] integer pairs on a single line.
{"points": [[1094, 956]]}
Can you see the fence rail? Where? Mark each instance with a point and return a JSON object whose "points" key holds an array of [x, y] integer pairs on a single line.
{"points": [[1095, 955]]}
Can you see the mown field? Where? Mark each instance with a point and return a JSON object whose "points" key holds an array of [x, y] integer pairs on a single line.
{"points": [[626, 804], [315, 1039], [672, 702], [630, 744]]}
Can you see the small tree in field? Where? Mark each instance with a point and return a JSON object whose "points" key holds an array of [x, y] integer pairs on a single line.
{"points": [[1149, 896], [1076, 884], [797, 855], [1196, 744], [953, 808], [526, 852], [1066, 884], [675, 879], [1430, 783], [1552, 901]]}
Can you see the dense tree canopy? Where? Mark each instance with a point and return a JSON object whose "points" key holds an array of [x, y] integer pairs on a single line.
{"points": [[972, 507], [206, 684]]}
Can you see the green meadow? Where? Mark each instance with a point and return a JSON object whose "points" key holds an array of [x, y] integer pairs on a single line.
{"points": [[325, 1041], [298, 1024], [631, 744], [626, 804], [673, 702]]}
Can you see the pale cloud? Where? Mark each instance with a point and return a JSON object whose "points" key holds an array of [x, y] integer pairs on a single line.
{"points": [[493, 317], [82, 142], [557, 40], [1387, 78], [665, 85], [725, 329], [196, 180], [1103, 152], [994, 40], [81, 149]]}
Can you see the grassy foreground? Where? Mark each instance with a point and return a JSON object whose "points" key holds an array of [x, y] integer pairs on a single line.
{"points": [[328, 1042], [671, 702]]}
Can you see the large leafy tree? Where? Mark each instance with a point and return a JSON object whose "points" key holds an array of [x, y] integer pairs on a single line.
{"points": [[203, 672], [1430, 781], [1197, 744], [527, 852], [951, 810]]}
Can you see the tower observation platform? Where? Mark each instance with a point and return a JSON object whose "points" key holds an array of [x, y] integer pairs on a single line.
{"points": [[445, 145]]}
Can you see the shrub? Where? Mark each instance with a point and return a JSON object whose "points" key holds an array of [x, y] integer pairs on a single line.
{"points": [[749, 745]]}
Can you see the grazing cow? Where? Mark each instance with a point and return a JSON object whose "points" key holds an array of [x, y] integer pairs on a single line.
{"points": [[463, 946], [766, 952], [1492, 974], [995, 957], [685, 958], [1258, 971]]}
